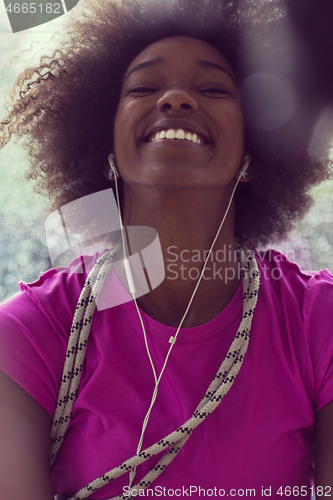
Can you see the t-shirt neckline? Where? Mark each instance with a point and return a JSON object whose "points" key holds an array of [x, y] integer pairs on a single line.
{"points": [[231, 312]]}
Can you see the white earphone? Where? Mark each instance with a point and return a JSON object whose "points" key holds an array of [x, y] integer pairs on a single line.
{"points": [[127, 266], [113, 173], [246, 163]]}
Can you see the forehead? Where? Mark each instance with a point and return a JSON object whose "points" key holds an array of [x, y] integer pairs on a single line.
{"points": [[181, 48]]}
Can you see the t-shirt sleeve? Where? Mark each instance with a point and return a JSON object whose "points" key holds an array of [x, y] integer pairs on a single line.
{"points": [[34, 329], [318, 317], [32, 353]]}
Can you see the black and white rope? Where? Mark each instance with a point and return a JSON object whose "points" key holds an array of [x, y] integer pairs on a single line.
{"points": [[76, 349], [217, 390]]}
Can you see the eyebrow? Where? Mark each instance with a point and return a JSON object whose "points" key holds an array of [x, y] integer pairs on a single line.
{"points": [[145, 64], [219, 67], [199, 62]]}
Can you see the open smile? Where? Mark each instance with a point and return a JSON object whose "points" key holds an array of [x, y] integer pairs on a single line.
{"points": [[177, 132], [177, 135]]}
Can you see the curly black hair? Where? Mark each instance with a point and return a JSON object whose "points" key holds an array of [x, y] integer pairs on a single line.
{"points": [[64, 109]]}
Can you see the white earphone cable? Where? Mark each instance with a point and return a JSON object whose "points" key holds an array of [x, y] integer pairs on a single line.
{"points": [[129, 276], [173, 339]]}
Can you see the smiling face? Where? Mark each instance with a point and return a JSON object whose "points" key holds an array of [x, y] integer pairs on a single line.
{"points": [[179, 121]]}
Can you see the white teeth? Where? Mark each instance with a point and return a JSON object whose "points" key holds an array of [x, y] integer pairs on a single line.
{"points": [[171, 134], [178, 134]]}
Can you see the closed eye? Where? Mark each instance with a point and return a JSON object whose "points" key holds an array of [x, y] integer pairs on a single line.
{"points": [[141, 90], [215, 91]]}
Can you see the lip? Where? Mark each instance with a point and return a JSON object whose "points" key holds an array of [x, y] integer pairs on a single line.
{"points": [[186, 125]]}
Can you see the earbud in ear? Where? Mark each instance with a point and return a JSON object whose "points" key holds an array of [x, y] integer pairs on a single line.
{"points": [[246, 162], [113, 169]]}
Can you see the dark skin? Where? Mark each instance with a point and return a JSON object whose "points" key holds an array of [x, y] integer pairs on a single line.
{"points": [[181, 190]]}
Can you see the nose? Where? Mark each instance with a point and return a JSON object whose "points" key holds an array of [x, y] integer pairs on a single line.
{"points": [[177, 100]]}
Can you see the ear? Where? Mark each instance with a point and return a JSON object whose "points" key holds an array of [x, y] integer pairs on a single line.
{"points": [[106, 172]]}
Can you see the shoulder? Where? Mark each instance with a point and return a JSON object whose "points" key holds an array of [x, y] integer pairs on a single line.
{"points": [[61, 286], [48, 303], [304, 298], [54, 294], [284, 277], [34, 329], [301, 303]]}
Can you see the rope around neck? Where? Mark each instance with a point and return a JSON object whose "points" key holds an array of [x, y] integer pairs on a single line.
{"points": [[217, 390]]}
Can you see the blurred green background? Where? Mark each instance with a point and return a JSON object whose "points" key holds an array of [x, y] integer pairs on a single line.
{"points": [[23, 251]]}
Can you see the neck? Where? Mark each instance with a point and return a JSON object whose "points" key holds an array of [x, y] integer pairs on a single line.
{"points": [[186, 224]]}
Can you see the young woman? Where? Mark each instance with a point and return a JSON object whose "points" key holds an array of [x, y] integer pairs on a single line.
{"points": [[219, 381]]}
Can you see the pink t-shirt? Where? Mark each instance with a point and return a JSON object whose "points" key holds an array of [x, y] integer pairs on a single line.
{"points": [[260, 436]]}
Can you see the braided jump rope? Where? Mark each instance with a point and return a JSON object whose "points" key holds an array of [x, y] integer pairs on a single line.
{"points": [[215, 393]]}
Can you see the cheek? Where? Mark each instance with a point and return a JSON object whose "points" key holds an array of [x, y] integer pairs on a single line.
{"points": [[125, 145], [236, 117], [236, 125], [117, 125], [125, 126], [231, 140], [228, 114], [120, 132]]}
